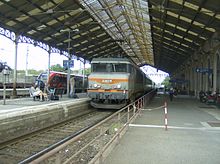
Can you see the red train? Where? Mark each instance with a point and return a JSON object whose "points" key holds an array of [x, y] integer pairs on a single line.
{"points": [[59, 80]]}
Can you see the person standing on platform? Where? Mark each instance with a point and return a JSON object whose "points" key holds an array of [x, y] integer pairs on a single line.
{"points": [[72, 87], [171, 92]]}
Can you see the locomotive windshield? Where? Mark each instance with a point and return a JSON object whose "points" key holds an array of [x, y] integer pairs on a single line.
{"points": [[109, 67]]}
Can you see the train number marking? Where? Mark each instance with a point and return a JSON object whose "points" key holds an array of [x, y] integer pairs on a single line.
{"points": [[107, 81]]}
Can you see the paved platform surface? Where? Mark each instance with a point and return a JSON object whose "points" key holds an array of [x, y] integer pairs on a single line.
{"points": [[193, 135], [12, 105]]}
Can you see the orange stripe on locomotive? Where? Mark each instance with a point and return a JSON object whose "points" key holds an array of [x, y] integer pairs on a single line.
{"points": [[108, 81]]}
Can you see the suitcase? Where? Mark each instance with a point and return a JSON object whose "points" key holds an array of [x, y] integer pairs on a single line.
{"points": [[54, 97]]}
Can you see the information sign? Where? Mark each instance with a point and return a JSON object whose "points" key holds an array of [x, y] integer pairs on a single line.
{"points": [[65, 63]]}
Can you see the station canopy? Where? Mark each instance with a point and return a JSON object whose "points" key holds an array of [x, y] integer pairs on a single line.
{"points": [[160, 33]]}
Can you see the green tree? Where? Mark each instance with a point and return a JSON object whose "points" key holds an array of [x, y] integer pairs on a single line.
{"points": [[166, 82], [88, 71], [80, 71], [57, 67]]}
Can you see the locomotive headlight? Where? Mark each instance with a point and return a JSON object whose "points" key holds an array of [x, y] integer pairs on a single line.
{"points": [[96, 86], [118, 86]]}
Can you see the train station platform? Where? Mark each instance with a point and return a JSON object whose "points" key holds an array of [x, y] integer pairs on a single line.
{"points": [[13, 104], [192, 136], [23, 115]]}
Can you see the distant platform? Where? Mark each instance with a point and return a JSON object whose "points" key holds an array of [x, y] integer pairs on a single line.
{"points": [[12, 104]]}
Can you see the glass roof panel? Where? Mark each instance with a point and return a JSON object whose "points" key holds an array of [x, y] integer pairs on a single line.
{"points": [[91, 45], [193, 33], [178, 36], [22, 18], [191, 6], [172, 14], [198, 24], [83, 49], [76, 36], [185, 19], [47, 38], [180, 28], [126, 21], [53, 21], [31, 32], [201, 37], [184, 45], [170, 24], [35, 11], [177, 1], [189, 40], [103, 34], [176, 42], [218, 16], [168, 32], [95, 28], [76, 12], [167, 38], [207, 12], [11, 23], [210, 29]]}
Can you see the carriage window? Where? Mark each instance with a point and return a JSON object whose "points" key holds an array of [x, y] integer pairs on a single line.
{"points": [[56, 79], [43, 77]]}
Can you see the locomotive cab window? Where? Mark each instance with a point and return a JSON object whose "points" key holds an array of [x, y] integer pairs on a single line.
{"points": [[121, 67], [101, 67], [109, 67]]}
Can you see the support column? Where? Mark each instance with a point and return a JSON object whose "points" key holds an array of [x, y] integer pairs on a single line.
{"points": [[84, 68], [187, 85], [48, 69], [15, 66], [218, 73], [68, 71], [215, 73], [200, 78], [196, 81], [191, 80], [209, 74]]}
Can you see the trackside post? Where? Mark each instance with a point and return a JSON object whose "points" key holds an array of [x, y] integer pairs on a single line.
{"points": [[165, 118]]}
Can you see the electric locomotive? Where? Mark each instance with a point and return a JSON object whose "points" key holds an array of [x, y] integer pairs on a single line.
{"points": [[114, 82]]}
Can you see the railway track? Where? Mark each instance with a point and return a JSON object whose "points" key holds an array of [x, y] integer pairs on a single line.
{"points": [[21, 149], [21, 92]]}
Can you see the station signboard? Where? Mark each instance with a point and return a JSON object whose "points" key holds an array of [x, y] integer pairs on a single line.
{"points": [[65, 63], [179, 81], [204, 70]]}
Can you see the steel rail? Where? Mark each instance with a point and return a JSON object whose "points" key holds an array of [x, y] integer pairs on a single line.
{"points": [[48, 149], [134, 106]]}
